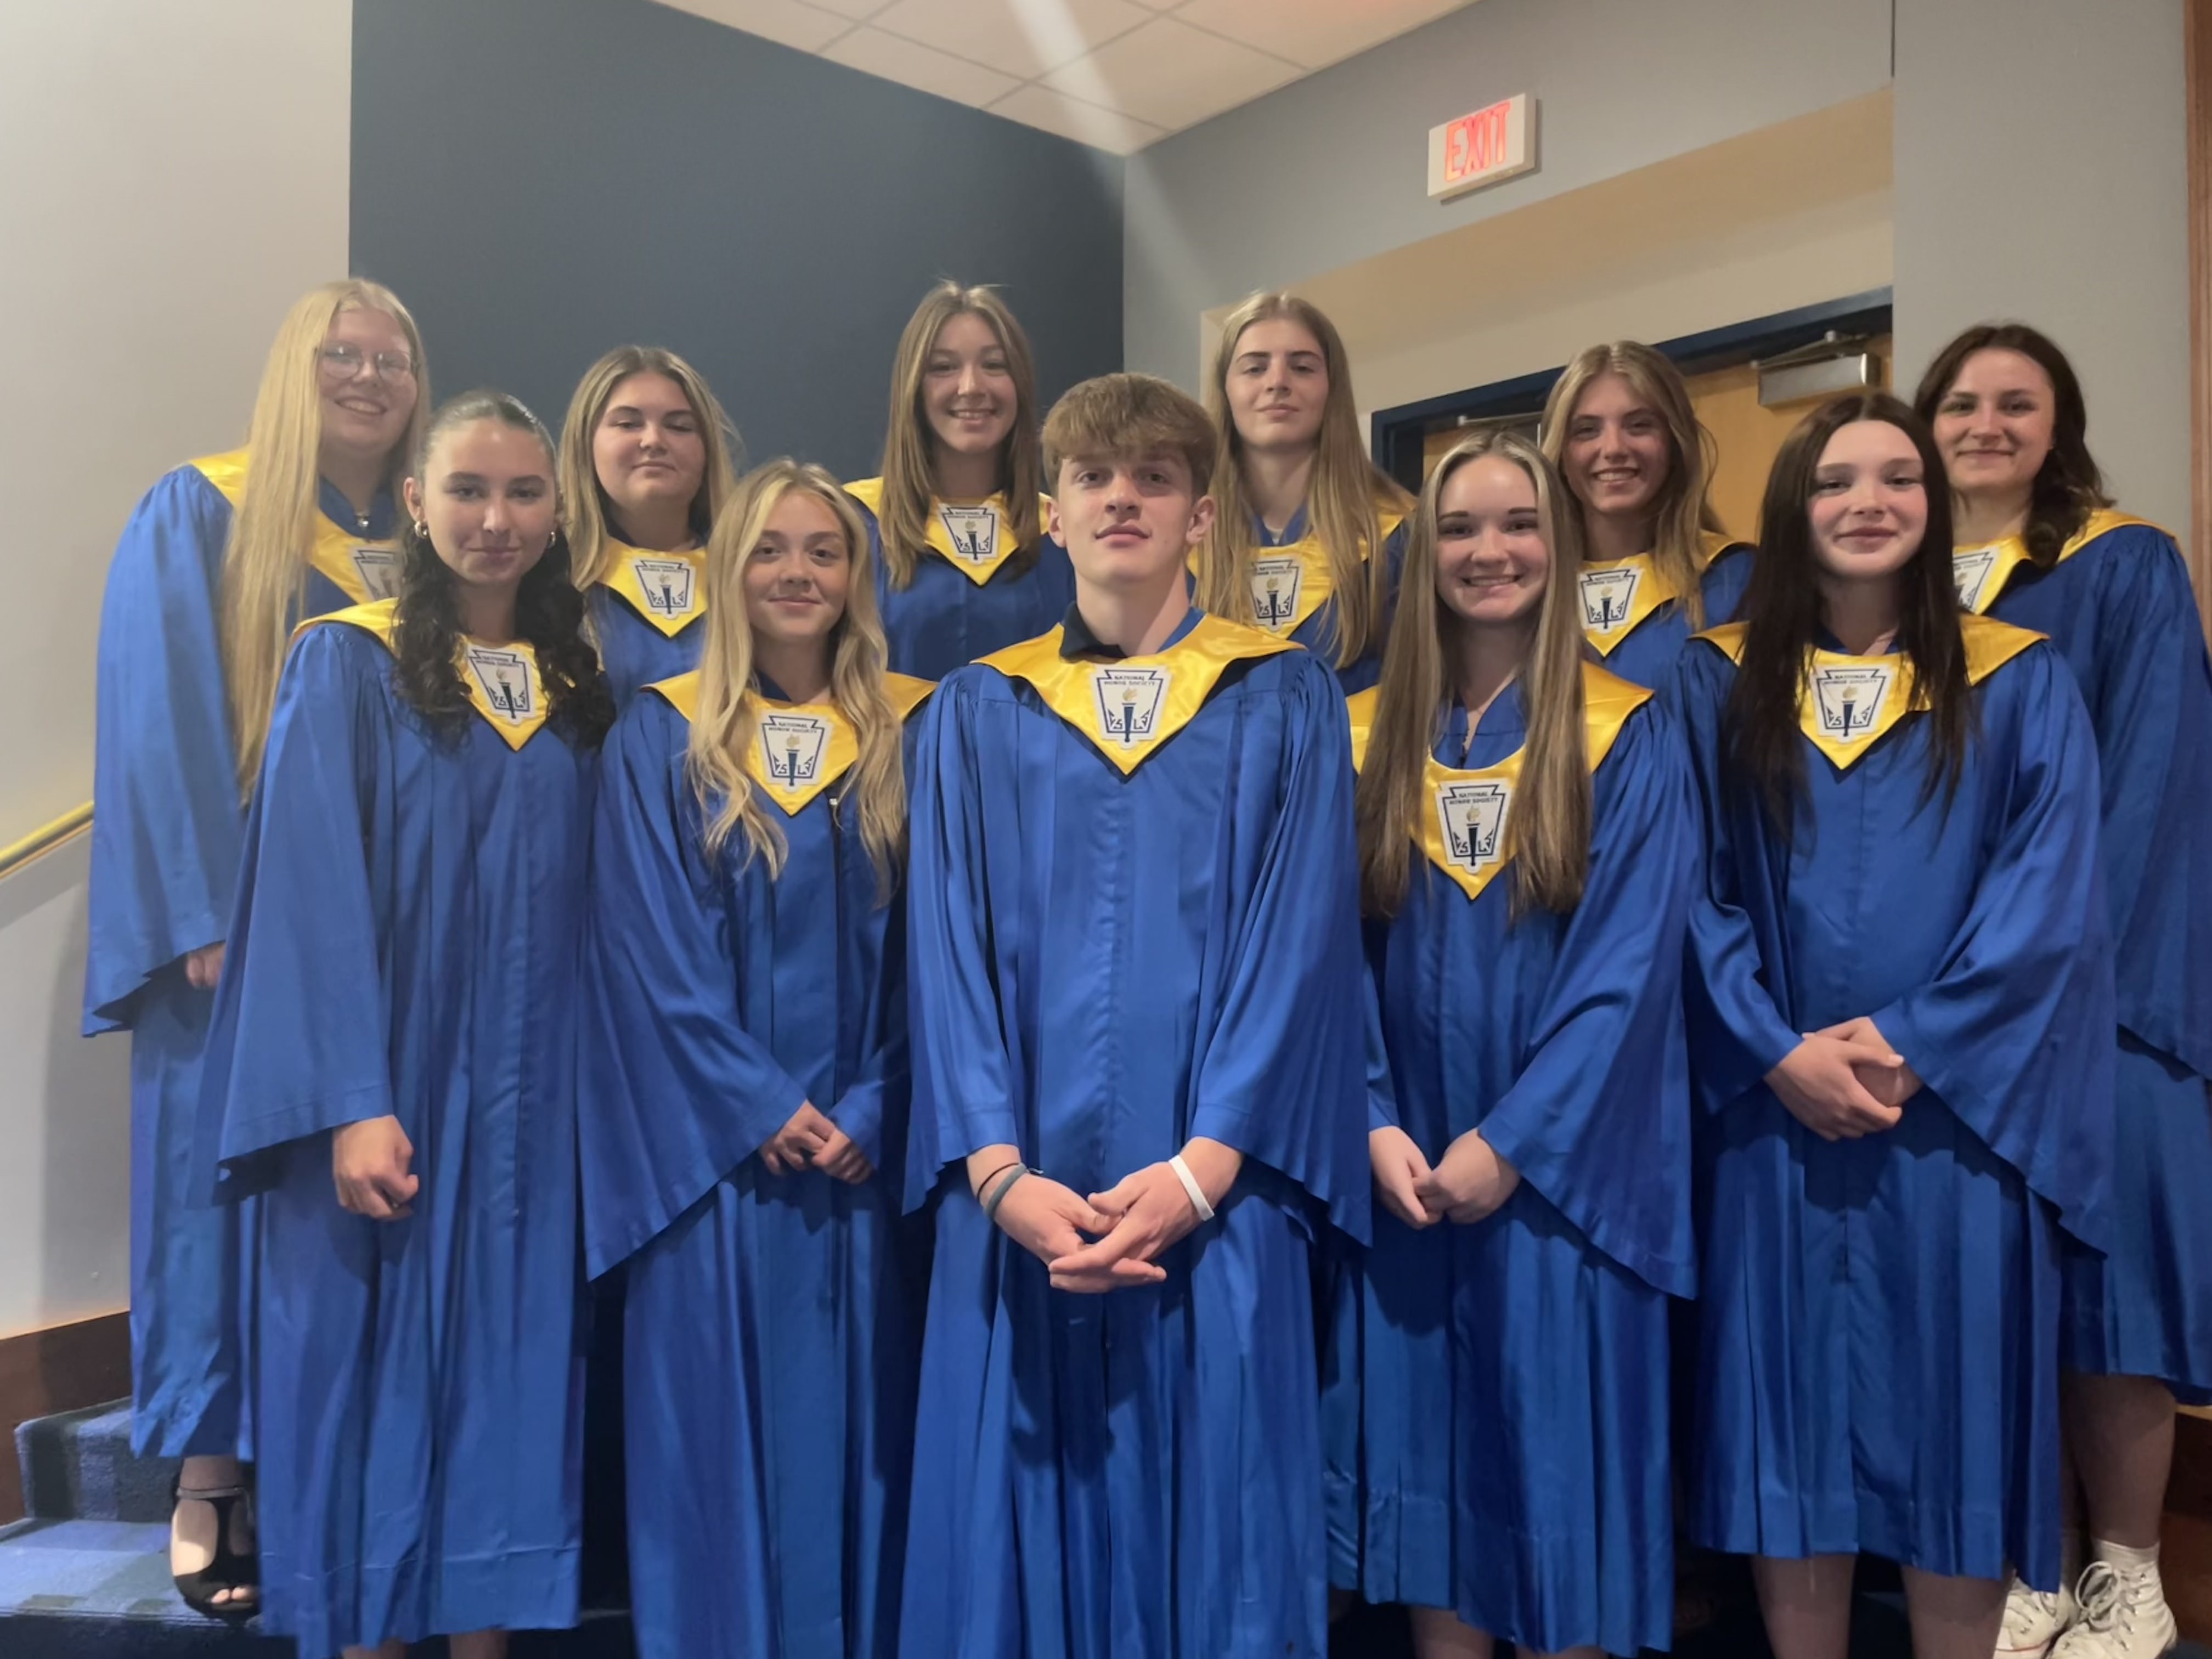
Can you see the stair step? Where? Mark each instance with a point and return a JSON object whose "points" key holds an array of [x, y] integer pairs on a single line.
{"points": [[100, 1589], [78, 1466]]}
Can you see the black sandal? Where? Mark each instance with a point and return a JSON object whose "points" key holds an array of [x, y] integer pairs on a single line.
{"points": [[230, 1570]]}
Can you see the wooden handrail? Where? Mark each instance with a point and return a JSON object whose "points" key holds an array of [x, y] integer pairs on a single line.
{"points": [[14, 856]]}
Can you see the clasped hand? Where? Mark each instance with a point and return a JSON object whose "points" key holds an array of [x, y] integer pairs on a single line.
{"points": [[1469, 1184], [1845, 1082], [811, 1141], [1128, 1226]]}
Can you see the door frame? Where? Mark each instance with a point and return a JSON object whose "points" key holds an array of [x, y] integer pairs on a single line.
{"points": [[1396, 434]]}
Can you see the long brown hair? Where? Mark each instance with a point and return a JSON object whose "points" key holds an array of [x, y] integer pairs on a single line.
{"points": [[585, 510], [1782, 616], [909, 444], [2068, 486], [1548, 827], [1347, 490], [264, 561], [726, 724], [1683, 511]]}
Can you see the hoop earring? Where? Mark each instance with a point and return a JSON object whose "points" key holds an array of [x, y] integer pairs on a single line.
{"points": [[422, 530]]}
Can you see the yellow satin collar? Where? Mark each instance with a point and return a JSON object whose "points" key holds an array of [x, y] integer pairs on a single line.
{"points": [[1130, 707], [1464, 828], [363, 570], [502, 681], [1847, 702], [669, 590], [802, 748], [1982, 573], [1290, 583], [1619, 596], [974, 538]]}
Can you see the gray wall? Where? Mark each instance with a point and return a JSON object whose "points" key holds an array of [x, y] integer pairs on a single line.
{"points": [[2042, 174], [541, 179], [1331, 169]]}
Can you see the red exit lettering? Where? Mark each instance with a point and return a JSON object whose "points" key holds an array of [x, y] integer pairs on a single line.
{"points": [[1475, 143]]}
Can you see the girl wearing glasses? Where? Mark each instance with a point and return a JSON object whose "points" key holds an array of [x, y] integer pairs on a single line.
{"points": [[223, 558]]}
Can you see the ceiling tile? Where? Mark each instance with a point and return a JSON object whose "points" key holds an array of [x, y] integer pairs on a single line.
{"points": [[925, 67], [858, 10], [1020, 38], [1071, 118], [1171, 75], [1314, 32], [788, 22]]}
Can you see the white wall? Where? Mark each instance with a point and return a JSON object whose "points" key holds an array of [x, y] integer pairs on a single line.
{"points": [[2042, 175], [1796, 214], [171, 178], [1331, 170]]}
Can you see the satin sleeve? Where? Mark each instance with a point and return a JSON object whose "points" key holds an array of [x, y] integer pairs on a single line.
{"points": [[675, 1091]]}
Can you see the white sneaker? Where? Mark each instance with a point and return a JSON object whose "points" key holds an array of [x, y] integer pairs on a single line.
{"points": [[2034, 1619], [2124, 1615]]}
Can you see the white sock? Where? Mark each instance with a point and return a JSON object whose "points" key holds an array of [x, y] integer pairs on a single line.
{"points": [[2124, 1559]]}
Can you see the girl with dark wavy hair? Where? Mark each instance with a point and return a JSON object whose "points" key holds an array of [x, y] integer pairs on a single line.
{"points": [[392, 1067], [2039, 545], [1900, 979]]}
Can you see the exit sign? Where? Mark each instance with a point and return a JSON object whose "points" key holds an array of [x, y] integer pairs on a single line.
{"points": [[1481, 148]]}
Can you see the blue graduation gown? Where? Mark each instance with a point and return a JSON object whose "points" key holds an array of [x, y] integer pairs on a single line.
{"points": [[1103, 965], [2118, 608], [944, 619], [1878, 1319], [1498, 1441], [648, 617], [1643, 653], [1318, 630], [406, 941], [166, 834], [773, 1321]]}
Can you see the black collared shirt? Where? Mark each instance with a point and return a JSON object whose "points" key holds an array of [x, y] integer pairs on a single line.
{"points": [[1076, 639]]}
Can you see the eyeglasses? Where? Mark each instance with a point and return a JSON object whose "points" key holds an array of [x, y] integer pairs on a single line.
{"points": [[343, 362]]}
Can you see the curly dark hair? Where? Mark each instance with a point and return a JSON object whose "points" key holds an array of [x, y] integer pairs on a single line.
{"points": [[1781, 613], [2068, 486], [548, 612]]}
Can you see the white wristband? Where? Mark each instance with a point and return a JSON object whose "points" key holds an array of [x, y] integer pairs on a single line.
{"points": [[1190, 1186]]}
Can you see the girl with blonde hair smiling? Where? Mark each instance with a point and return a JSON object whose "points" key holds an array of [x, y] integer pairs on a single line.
{"points": [[747, 1097], [1620, 428], [1497, 1411], [1306, 540], [956, 524], [222, 558], [645, 463]]}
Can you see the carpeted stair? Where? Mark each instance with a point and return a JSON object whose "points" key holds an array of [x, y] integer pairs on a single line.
{"points": [[87, 1576]]}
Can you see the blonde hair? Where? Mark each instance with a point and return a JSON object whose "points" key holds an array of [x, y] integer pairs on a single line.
{"points": [[1125, 415], [1548, 827], [584, 503], [264, 559], [1682, 512], [909, 469], [1347, 490], [726, 723]]}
